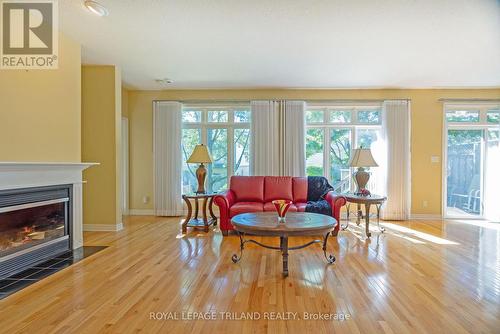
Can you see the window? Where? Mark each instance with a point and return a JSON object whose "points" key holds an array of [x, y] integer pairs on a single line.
{"points": [[314, 152], [190, 138], [462, 116], [340, 116], [369, 116], [493, 116], [315, 116], [340, 152], [226, 132], [191, 116], [218, 116], [332, 132]]}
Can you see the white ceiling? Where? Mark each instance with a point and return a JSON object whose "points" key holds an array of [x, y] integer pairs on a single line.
{"points": [[293, 43]]}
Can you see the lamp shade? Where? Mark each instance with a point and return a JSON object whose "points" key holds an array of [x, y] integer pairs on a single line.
{"points": [[200, 155], [362, 157]]}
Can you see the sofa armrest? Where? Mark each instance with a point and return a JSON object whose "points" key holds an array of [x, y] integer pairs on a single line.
{"points": [[336, 202], [225, 201]]}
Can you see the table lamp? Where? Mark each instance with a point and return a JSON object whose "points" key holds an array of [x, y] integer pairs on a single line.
{"points": [[200, 155], [361, 158]]}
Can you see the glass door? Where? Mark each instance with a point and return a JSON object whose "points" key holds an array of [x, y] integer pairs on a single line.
{"points": [[465, 156], [472, 157]]}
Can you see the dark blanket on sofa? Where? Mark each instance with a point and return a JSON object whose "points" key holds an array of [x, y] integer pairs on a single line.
{"points": [[317, 188]]}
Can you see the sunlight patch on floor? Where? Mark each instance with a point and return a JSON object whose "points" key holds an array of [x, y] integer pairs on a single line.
{"points": [[357, 232], [418, 234], [457, 212], [413, 240], [479, 223]]}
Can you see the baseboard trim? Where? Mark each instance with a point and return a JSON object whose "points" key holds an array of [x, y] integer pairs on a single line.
{"points": [[141, 212], [174, 213], [419, 216], [102, 227], [343, 215]]}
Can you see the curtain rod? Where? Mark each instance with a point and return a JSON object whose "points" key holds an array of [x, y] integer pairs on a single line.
{"points": [[467, 100], [276, 99], [353, 100], [208, 100]]}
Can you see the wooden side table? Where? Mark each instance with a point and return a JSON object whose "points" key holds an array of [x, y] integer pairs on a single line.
{"points": [[196, 222], [367, 201]]}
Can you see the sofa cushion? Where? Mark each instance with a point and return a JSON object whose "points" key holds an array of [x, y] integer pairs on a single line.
{"points": [[299, 186], [277, 187], [269, 206], [301, 207], [248, 188], [244, 207]]}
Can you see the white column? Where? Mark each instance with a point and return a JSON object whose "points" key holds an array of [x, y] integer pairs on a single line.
{"points": [[77, 216]]}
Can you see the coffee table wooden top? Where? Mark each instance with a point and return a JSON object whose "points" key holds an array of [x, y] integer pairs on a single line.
{"points": [[297, 223]]}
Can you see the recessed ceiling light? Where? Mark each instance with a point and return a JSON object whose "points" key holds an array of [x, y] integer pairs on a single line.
{"points": [[165, 81], [96, 8]]}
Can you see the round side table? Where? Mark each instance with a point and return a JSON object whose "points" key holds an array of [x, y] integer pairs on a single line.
{"points": [[367, 201], [196, 222]]}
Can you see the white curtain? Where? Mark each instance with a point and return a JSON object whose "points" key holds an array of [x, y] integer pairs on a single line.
{"points": [[396, 165], [265, 143], [293, 143], [167, 132]]}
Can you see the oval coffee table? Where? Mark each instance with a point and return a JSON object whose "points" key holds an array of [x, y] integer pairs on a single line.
{"points": [[296, 224]]}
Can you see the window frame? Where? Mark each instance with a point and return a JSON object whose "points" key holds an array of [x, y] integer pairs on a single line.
{"points": [[354, 126], [205, 125]]}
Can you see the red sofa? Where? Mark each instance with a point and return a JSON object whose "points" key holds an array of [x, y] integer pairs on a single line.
{"points": [[255, 193]]}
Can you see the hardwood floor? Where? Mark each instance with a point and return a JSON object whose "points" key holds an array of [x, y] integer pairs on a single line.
{"points": [[418, 277]]}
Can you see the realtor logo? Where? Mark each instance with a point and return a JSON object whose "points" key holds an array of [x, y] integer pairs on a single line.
{"points": [[29, 34]]}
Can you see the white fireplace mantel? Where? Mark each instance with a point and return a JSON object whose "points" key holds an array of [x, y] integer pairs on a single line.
{"points": [[16, 175]]}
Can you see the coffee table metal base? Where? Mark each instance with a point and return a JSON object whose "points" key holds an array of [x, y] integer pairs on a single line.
{"points": [[283, 248]]}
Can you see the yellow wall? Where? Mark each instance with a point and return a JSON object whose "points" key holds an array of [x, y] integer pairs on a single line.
{"points": [[426, 140], [101, 136], [40, 110]]}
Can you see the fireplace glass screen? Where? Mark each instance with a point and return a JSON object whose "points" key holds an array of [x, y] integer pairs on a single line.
{"points": [[28, 227]]}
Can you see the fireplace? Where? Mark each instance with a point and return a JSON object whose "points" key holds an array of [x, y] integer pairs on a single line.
{"points": [[35, 224]]}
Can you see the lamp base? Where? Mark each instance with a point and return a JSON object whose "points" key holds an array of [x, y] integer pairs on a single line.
{"points": [[361, 178], [201, 174]]}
